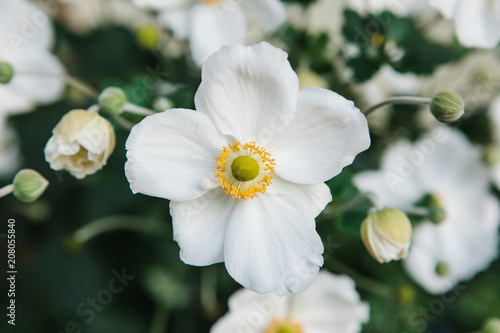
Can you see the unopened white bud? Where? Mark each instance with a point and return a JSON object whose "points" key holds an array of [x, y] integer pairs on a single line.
{"points": [[112, 100]]}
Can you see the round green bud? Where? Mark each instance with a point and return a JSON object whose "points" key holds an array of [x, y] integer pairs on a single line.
{"points": [[437, 213], [447, 106], [443, 269], [492, 325], [147, 36], [405, 294], [29, 185], [112, 100], [161, 104], [6, 72], [245, 168]]}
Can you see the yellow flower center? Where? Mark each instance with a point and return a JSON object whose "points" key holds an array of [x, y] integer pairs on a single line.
{"points": [[244, 170], [285, 326]]}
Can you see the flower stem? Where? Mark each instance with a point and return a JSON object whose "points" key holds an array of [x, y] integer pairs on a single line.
{"points": [[160, 319], [139, 110], [335, 211], [362, 282], [411, 100], [113, 223], [208, 290], [68, 79], [6, 190]]}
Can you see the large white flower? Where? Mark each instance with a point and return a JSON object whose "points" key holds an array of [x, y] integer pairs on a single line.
{"points": [[25, 39], [245, 172], [446, 168], [330, 304], [211, 24], [477, 22]]}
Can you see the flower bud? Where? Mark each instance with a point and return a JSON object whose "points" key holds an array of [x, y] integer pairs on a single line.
{"points": [[492, 325], [161, 104], [112, 100], [29, 185], [81, 143], [148, 36], [6, 72], [386, 234], [447, 106]]}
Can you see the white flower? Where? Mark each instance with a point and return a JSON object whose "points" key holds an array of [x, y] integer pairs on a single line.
{"points": [[398, 7], [25, 39], [477, 22], [211, 24], [81, 143], [330, 304], [444, 167], [251, 124]]}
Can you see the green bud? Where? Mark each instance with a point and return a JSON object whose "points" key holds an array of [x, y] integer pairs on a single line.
{"points": [[29, 185], [443, 269], [405, 294], [492, 325], [148, 36], [447, 106], [6, 72], [386, 234], [112, 101], [161, 104]]}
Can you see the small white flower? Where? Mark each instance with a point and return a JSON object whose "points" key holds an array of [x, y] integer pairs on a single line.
{"points": [[211, 24], [81, 143], [398, 7], [477, 22], [330, 304], [25, 39], [463, 239], [245, 172]]}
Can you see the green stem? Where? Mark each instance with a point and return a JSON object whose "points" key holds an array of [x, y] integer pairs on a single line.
{"points": [[68, 79], [113, 223], [345, 206], [139, 110], [208, 292], [6, 190], [411, 100], [362, 282], [160, 319]]}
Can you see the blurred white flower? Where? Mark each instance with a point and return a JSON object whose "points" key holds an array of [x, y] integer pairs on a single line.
{"points": [[398, 7], [81, 143], [26, 37], [444, 167], [330, 304], [211, 24], [245, 172], [9, 150], [477, 22]]}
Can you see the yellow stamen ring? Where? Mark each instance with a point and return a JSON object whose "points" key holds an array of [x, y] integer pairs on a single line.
{"points": [[285, 326], [244, 170]]}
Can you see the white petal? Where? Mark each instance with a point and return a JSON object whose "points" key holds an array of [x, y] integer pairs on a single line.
{"points": [[324, 136], [447, 7], [177, 20], [212, 27], [270, 13], [316, 196], [249, 92], [200, 227], [37, 88], [162, 4], [330, 304], [477, 25], [251, 312], [271, 245], [171, 154]]}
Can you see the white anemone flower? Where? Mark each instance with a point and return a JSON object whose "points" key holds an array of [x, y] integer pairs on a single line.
{"points": [[330, 304], [463, 239], [245, 172], [211, 24], [477, 22], [25, 39]]}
